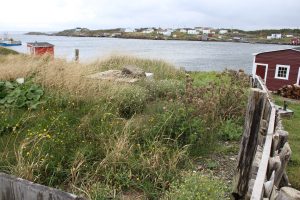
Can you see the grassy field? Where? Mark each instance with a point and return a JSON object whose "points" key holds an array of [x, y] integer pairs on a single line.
{"points": [[6, 51], [106, 140], [292, 125]]}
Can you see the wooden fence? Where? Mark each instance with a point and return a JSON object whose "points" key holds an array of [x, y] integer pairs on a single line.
{"points": [[264, 150], [13, 188]]}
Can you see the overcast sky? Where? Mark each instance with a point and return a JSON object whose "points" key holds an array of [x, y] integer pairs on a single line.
{"points": [[53, 15]]}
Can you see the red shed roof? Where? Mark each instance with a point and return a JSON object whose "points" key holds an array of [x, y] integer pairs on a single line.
{"points": [[39, 44], [294, 49]]}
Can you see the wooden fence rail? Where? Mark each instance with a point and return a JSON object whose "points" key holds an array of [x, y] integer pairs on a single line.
{"points": [[264, 151], [14, 188]]}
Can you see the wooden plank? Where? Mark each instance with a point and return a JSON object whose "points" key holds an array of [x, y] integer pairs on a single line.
{"points": [[262, 171], [13, 188], [248, 146]]}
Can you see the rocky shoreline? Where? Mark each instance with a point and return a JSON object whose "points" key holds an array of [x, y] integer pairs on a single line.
{"points": [[236, 36]]}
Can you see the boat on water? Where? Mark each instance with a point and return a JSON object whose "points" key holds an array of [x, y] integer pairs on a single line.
{"points": [[5, 41]]}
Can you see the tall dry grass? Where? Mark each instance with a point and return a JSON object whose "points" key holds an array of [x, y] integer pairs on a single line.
{"points": [[70, 77]]}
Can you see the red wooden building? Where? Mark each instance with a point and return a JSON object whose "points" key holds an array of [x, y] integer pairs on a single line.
{"points": [[40, 48], [278, 68]]}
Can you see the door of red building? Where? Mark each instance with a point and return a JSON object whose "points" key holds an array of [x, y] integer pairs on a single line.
{"points": [[261, 71]]}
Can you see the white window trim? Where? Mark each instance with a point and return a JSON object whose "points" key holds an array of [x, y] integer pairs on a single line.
{"points": [[266, 73], [287, 73], [298, 79]]}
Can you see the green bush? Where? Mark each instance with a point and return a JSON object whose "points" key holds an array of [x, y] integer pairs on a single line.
{"points": [[164, 88], [230, 130], [26, 95], [130, 100], [196, 186]]}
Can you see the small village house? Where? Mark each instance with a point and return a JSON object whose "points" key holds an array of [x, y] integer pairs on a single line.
{"points": [[182, 30], [40, 48], [130, 30], [274, 36], [148, 31], [199, 29], [192, 32], [206, 31], [278, 68], [289, 36], [223, 32], [166, 32]]}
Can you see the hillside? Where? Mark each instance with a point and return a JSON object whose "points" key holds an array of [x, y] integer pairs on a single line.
{"points": [[6, 51], [158, 138]]}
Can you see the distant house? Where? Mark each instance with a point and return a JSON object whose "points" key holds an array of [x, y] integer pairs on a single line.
{"points": [[130, 30], [206, 31], [148, 30], [274, 36], [199, 29], [289, 36], [192, 32], [40, 48], [278, 68], [182, 30], [166, 32], [223, 32], [78, 29]]}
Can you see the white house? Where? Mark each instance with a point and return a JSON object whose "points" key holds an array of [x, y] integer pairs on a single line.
{"points": [[78, 29], [206, 31], [289, 36], [148, 30], [223, 32], [166, 32], [130, 30], [192, 32], [199, 29], [182, 30], [276, 36]]}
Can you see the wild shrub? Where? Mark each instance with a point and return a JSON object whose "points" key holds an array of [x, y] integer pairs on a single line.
{"points": [[197, 186], [130, 100], [26, 95], [222, 100]]}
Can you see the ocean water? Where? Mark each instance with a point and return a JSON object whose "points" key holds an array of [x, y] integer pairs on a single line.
{"points": [[192, 55]]}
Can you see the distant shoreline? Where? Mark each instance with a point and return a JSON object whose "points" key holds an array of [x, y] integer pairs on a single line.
{"points": [[163, 38]]}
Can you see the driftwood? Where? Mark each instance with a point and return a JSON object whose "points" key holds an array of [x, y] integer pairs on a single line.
{"points": [[274, 193], [288, 193], [268, 186], [262, 171], [283, 137], [254, 169], [264, 150], [284, 180], [256, 103], [274, 165], [262, 132], [284, 155]]}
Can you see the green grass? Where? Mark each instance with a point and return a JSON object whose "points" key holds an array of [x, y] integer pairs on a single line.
{"points": [[6, 51], [292, 125], [104, 140]]}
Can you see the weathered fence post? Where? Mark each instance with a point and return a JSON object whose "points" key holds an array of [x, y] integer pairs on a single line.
{"points": [[76, 54], [255, 111]]}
